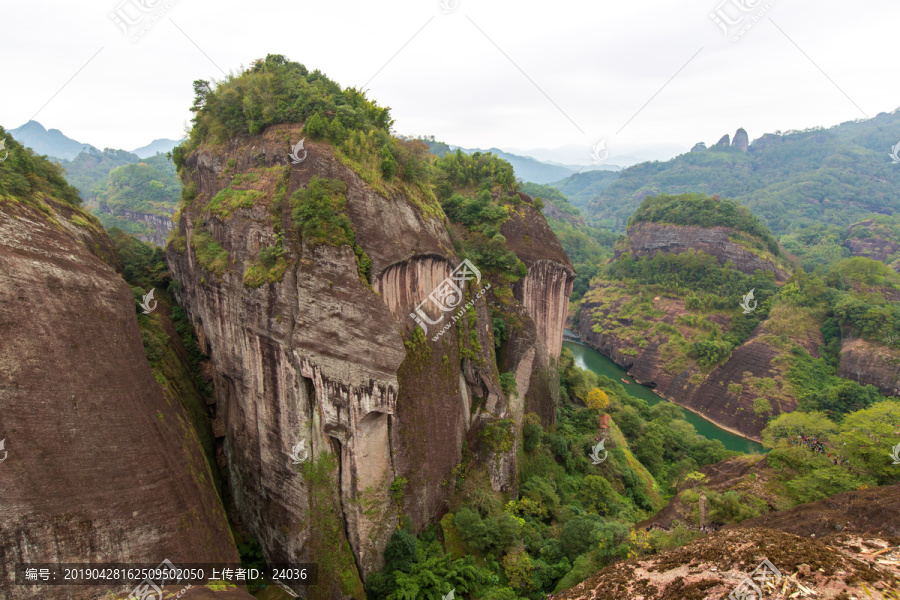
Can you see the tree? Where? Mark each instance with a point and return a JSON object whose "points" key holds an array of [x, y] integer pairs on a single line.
{"points": [[577, 535], [597, 495], [316, 127], [868, 436], [388, 164], [790, 425], [400, 552], [597, 399]]}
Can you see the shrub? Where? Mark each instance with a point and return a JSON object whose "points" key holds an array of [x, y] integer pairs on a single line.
{"points": [[508, 384], [319, 213], [598, 400]]}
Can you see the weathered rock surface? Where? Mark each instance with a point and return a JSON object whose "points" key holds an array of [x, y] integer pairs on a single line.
{"points": [[648, 238], [98, 465], [876, 246], [724, 141], [868, 363], [544, 300], [872, 511], [716, 565], [833, 546], [322, 358], [741, 141], [162, 225], [725, 395]]}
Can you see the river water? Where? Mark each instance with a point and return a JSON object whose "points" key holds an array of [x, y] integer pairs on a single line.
{"points": [[588, 358]]}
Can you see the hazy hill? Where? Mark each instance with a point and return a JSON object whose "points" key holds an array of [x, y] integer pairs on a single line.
{"points": [[51, 142], [161, 145]]}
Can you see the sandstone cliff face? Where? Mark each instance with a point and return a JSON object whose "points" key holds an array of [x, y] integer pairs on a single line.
{"points": [[741, 141], [876, 246], [725, 395], [871, 364], [322, 358], [161, 225], [100, 465], [647, 239], [544, 298]]}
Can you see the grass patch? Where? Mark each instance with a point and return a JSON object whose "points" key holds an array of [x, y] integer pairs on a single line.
{"points": [[210, 255], [228, 200]]}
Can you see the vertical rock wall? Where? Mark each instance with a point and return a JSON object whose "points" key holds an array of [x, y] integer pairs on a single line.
{"points": [[99, 465]]}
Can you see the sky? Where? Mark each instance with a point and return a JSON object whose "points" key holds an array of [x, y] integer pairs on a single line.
{"points": [[518, 76]]}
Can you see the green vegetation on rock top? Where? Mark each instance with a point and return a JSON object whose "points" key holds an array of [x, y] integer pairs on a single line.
{"points": [[275, 90], [705, 211]]}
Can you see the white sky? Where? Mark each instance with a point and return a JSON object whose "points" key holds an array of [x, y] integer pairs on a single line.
{"points": [[598, 61]]}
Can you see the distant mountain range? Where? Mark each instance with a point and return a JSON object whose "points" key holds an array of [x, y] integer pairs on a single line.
{"points": [[791, 180], [156, 146], [55, 144]]}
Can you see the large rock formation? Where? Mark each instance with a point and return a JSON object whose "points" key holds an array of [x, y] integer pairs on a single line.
{"points": [[870, 240], [647, 238], [741, 141], [727, 394], [160, 226], [543, 297], [99, 465], [321, 358], [868, 363]]}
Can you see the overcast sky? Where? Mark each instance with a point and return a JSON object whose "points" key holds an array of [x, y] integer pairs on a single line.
{"points": [[513, 75]]}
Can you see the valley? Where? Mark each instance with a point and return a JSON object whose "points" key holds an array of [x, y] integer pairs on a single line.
{"points": [[296, 337]]}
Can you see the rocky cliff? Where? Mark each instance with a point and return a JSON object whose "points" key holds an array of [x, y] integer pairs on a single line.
{"points": [[338, 413], [646, 239], [543, 300], [868, 363], [727, 394], [99, 463], [873, 240], [159, 226]]}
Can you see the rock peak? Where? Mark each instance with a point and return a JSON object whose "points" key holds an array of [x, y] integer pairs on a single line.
{"points": [[741, 140]]}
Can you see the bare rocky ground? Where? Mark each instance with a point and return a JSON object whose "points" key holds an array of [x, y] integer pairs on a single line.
{"points": [[842, 548]]}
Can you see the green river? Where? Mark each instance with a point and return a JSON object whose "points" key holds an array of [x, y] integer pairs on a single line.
{"points": [[588, 358]]}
